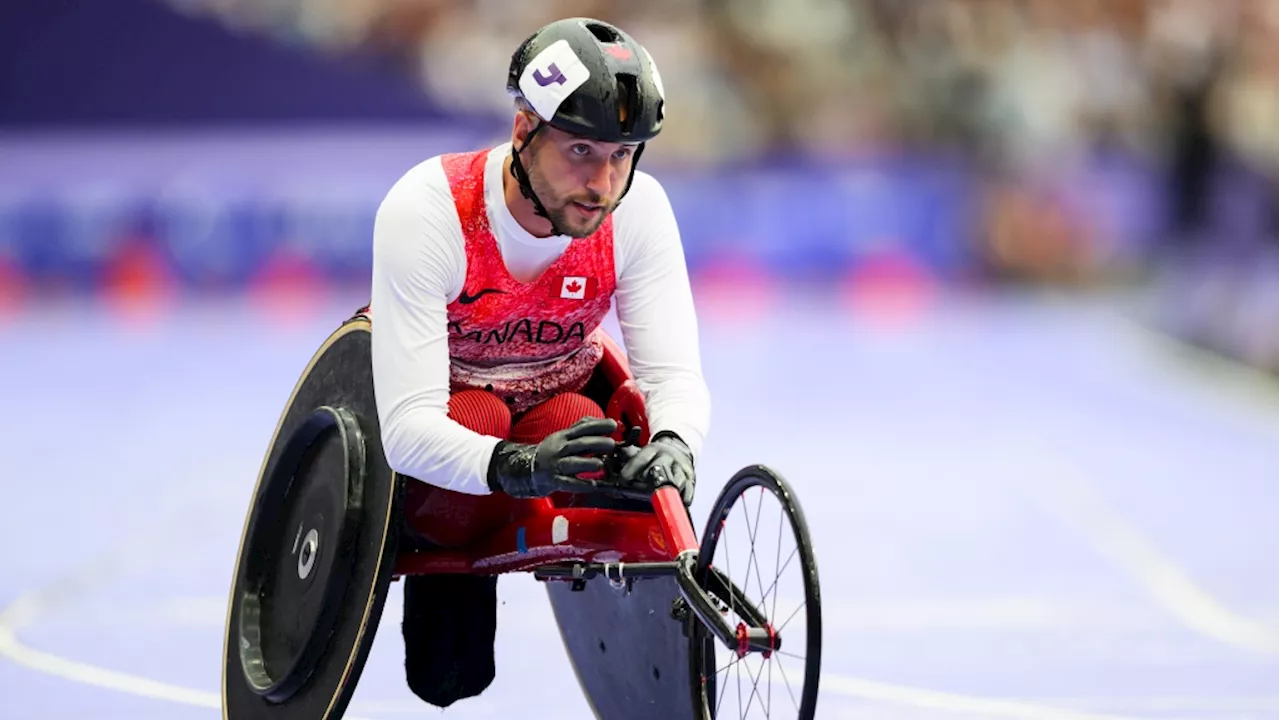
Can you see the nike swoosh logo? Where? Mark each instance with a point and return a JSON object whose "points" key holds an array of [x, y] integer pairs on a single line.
{"points": [[466, 299]]}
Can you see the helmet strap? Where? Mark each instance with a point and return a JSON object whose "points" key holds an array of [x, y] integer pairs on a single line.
{"points": [[526, 187], [635, 160], [522, 179]]}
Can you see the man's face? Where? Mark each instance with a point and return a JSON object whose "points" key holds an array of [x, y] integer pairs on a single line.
{"points": [[579, 181]]}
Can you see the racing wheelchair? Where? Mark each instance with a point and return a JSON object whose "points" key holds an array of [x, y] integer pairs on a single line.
{"points": [[653, 628]]}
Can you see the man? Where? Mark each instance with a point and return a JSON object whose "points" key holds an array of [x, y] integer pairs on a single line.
{"points": [[492, 273]]}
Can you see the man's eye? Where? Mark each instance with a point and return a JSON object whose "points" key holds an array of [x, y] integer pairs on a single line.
{"points": [[582, 150], [622, 154]]}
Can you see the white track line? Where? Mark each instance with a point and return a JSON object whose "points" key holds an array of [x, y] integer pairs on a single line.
{"points": [[1223, 706], [31, 605], [27, 609], [950, 702], [1254, 389], [134, 551], [1065, 492]]}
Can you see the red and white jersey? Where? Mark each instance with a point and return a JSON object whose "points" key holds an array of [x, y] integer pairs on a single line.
{"points": [[463, 296], [525, 341]]}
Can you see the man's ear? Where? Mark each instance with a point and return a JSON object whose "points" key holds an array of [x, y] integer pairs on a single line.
{"points": [[523, 125]]}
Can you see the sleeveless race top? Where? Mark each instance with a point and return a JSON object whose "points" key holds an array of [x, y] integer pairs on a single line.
{"points": [[525, 342]]}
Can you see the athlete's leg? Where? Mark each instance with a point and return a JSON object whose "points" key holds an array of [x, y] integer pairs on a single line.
{"points": [[557, 413], [450, 621], [479, 411]]}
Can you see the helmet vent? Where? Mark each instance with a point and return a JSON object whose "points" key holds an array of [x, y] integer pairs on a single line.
{"points": [[604, 33], [628, 103]]}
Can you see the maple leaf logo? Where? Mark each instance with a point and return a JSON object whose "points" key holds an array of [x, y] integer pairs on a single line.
{"points": [[574, 288]]}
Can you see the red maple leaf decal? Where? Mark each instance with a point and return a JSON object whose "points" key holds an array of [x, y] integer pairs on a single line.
{"points": [[573, 287], [618, 51]]}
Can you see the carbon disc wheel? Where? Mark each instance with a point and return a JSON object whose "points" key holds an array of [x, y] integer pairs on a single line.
{"points": [[318, 549], [756, 538]]}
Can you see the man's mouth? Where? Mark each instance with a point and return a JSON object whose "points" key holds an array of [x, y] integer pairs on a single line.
{"points": [[588, 208]]}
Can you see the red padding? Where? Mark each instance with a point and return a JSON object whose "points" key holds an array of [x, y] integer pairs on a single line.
{"points": [[482, 412], [627, 407], [554, 414]]}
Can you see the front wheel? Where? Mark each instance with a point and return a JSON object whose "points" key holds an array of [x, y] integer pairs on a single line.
{"points": [[767, 554]]}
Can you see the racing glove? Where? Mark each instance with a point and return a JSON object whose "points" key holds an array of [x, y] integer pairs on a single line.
{"points": [[531, 471], [666, 460]]}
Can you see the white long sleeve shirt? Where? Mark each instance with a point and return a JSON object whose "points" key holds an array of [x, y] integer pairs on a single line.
{"points": [[419, 267]]}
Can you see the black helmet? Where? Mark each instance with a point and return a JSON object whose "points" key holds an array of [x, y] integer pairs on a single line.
{"points": [[580, 75], [590, 79]]}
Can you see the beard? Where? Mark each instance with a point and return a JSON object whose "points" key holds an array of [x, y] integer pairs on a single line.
{"points": [[567, 218], [564, 215]]}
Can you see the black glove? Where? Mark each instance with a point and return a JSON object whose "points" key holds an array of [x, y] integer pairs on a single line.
{"points": [[531, 471], [666, 460]]}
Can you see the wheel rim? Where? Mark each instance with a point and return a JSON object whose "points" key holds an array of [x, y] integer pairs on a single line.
{"points": [[281, 643], [757, 537]]}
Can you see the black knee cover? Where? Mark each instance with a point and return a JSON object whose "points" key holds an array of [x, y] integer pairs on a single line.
{"points": [[450, 622]]}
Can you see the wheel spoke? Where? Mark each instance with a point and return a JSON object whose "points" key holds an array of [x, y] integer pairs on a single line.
{"points": [[735, 661], [728, 564], [728, 561], [750, 557], [740, 685], [769, 703], [725, 685], [755, 533], [791, 617], [777, 558], [784, 567], [782, 669], [755, 688]]}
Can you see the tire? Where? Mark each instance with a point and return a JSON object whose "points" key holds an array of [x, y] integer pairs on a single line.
{"points": [[703, 661]]}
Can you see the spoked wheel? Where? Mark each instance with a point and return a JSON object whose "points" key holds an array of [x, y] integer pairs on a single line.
{"points": [[757, 562]]}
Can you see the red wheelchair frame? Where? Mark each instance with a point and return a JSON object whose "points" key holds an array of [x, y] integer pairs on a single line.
{"points": [[496, 534], [535, 538]]}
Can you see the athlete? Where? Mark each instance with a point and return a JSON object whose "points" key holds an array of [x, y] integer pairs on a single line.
{"points": [[492, 273]]}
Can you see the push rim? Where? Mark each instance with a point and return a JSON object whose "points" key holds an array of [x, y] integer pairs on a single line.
{"points": [[323, 562]]}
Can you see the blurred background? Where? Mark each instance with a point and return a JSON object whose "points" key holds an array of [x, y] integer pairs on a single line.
{"points": [[1030, 245], [214, 146]]}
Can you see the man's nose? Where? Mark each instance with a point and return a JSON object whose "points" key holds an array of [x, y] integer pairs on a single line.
{"points": [[600, 180]]}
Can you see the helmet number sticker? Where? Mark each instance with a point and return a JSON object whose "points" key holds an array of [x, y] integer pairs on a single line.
{"points": [[551, 77], [554, 76]]}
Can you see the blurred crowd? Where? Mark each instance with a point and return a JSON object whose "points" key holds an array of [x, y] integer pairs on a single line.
{"points": [[1028, 93], [1023, 88], [1022, 83]]}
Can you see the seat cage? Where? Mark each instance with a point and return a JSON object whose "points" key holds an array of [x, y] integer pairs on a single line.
{"points": [[493, 534]]}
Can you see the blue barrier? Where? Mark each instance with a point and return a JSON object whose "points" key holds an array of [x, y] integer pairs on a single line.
{"points": [[219, 212]]}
